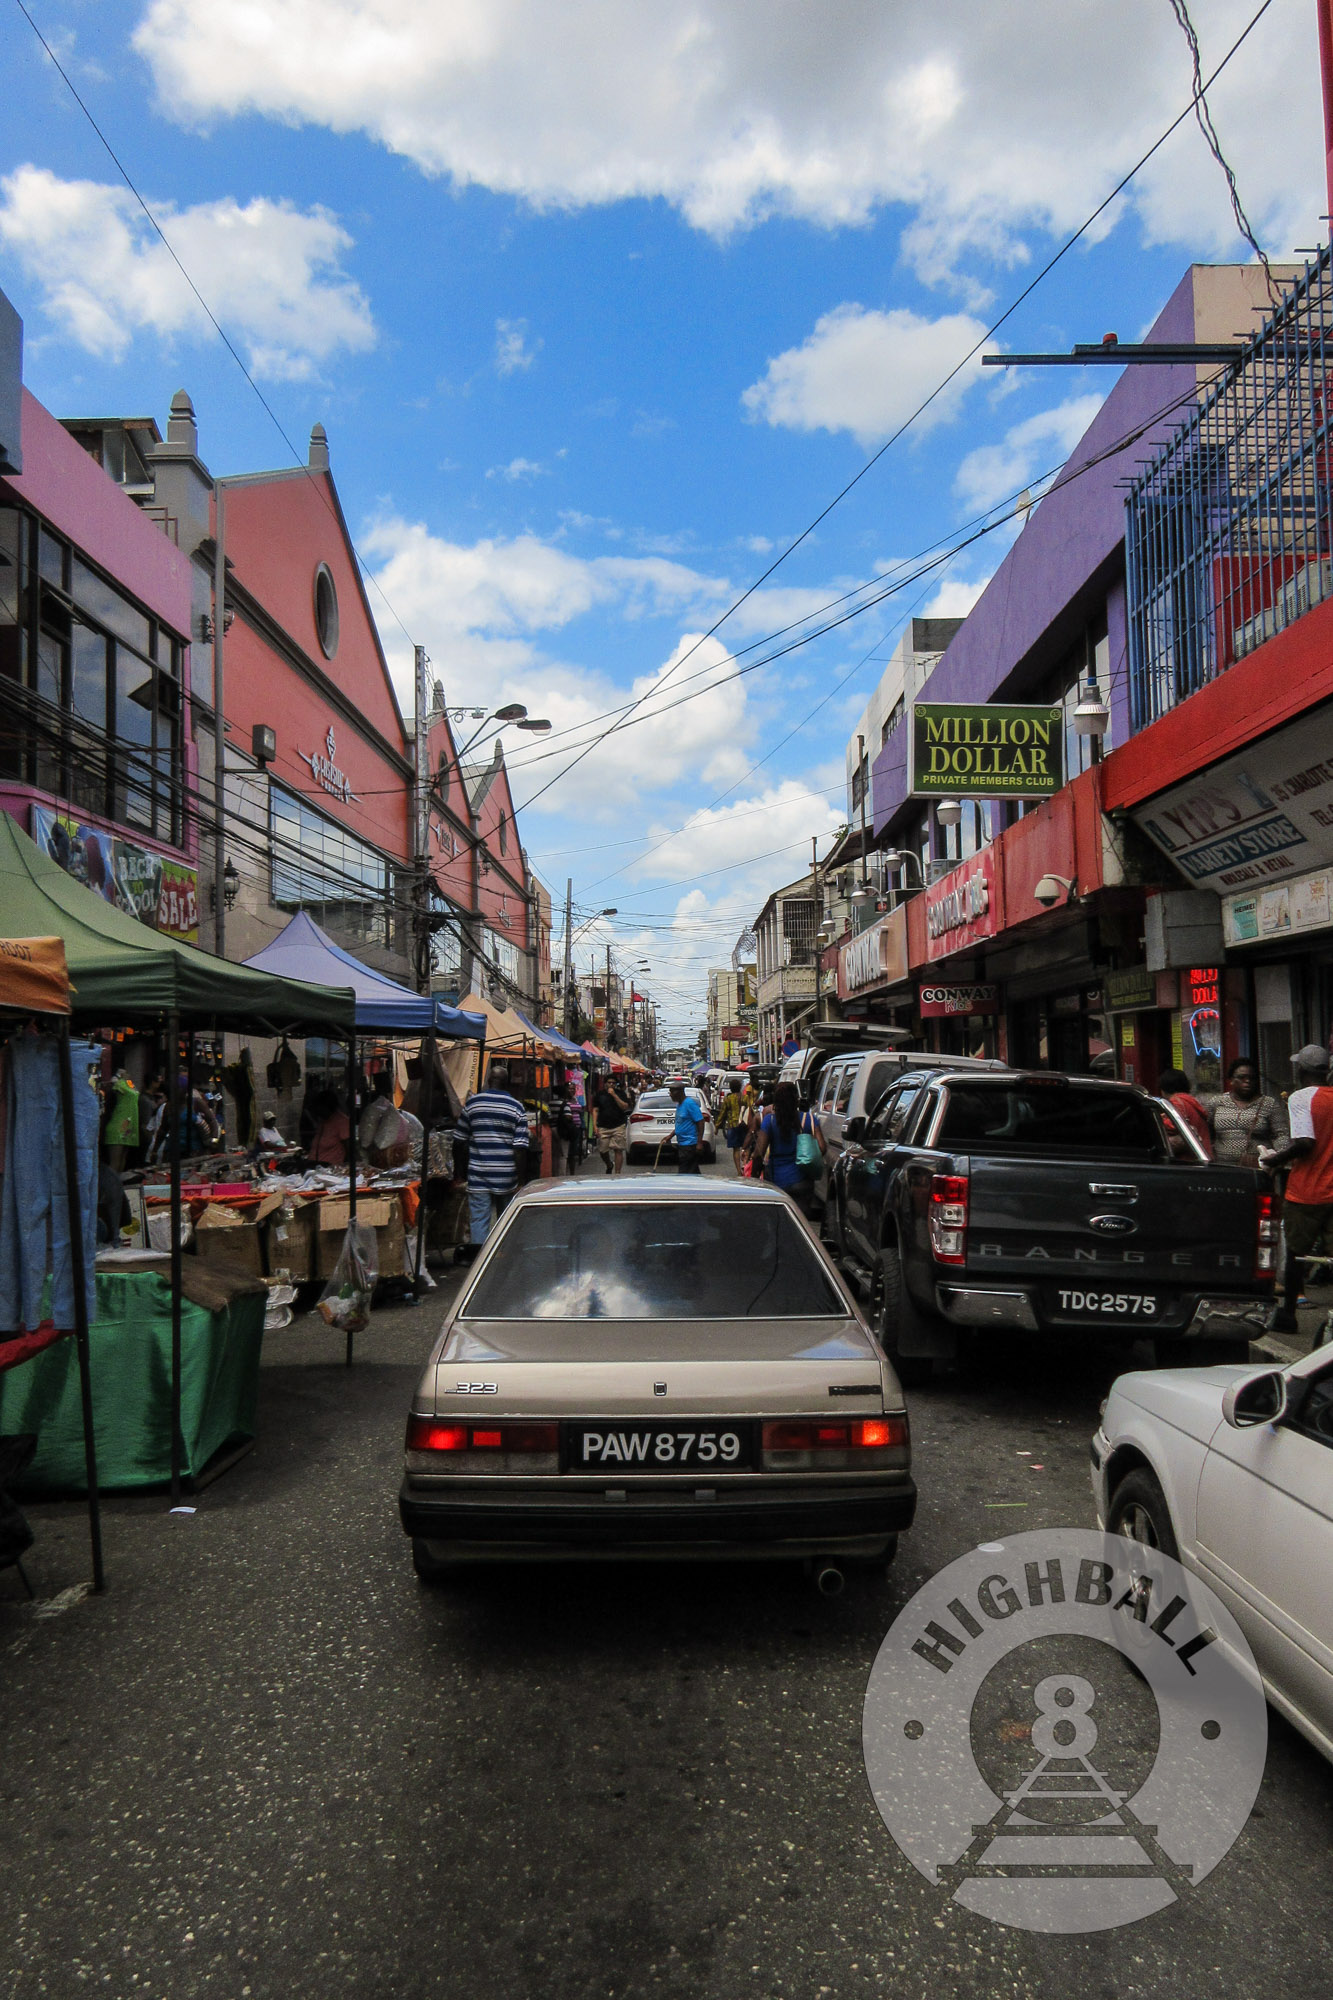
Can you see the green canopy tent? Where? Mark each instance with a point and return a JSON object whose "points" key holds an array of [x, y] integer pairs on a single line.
{"points": [[123, 973]]}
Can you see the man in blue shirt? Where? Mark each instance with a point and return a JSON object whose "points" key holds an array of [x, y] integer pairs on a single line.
{"points": [[689, 1129], [493, 1130]]}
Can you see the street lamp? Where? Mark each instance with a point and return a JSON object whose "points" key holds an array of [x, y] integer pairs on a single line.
{"points": [[513, 711], [948, 811]]}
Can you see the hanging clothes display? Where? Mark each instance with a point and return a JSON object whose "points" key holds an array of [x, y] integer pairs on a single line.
{"points": [[239, 1080], [34, 1207], [122, 1123], [284, 1072]]}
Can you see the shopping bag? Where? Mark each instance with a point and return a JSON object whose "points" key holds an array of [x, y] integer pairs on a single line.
{"points": [[345, 1300]]}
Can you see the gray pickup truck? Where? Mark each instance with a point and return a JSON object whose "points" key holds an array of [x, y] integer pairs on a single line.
{"points": [[1049, 1204]]}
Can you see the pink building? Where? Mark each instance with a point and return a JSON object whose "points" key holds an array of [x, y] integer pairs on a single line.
{"points": [[95, 758]]}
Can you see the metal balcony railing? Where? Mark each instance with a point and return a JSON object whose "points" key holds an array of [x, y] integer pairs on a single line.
{"points": [[1228, 536]]}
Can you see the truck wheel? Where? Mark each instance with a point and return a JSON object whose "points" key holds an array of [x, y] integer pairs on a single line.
{"points": [[1139, 1511], [1200, 1353], [890, 1310]]}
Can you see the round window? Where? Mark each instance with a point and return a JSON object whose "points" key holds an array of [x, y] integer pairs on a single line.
{"points": [[326, 611]]}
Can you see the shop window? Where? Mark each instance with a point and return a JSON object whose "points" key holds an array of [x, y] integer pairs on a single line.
{"points": [[317, 865], [107, 607], [326, 611]]}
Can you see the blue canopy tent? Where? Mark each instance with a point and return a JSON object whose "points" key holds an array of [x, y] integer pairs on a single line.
{"points": [[574, 1050], [382, 1006]]}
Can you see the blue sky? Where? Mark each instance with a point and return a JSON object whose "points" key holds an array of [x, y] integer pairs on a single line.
{"points": [[601, 304]]}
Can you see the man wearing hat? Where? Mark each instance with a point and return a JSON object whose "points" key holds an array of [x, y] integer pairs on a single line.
{"points": [[1308, 1208]]}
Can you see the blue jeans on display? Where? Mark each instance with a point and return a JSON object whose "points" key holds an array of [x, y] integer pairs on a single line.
{"points": [[34, 1212], [485, 1206]]}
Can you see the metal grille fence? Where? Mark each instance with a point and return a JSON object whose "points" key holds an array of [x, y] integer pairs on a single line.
{"points": [[1228, 535]]}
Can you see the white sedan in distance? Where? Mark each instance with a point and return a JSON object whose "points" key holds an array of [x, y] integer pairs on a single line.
{"points": [[651, 1368], [1231, 1471], [652, 1127]]}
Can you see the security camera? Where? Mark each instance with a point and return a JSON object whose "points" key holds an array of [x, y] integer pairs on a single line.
{"points": [[1047, 891]]}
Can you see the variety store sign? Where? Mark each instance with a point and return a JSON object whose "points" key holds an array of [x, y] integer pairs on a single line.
{"points": [[1265, 815], [877, 957], [957, 1002]]}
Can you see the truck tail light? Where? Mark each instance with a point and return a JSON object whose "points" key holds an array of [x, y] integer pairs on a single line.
{"points": [[948, 1218], [1265, 1237], [857, 1444]]}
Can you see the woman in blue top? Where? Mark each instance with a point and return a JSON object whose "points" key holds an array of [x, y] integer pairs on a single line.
{"points": [[775, 1152]]}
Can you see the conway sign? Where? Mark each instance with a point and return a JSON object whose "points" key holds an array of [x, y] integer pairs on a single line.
{"points": [[985, 750]]}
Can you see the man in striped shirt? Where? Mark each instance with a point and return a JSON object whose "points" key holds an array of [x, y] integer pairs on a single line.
{"points": [[494, 1131]]}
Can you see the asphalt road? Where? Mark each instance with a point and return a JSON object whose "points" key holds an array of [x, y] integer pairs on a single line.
{"points": [[269, 1763]]}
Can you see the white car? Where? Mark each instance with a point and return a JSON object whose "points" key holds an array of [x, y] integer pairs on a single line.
{"points": [[1231, 1471], [652, 1127]]}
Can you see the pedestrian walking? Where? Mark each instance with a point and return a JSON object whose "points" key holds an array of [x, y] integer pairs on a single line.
{"points": [[565, 1131], [1174, 1085], [611, 1110], [491, 1151], [689, 1128], [1308, 1208], [780, 1134], [1242, 1121], [731, 1123]]}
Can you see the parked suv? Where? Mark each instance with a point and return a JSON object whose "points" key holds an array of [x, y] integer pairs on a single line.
{"points": [[829, 1039], [850, 1091]]}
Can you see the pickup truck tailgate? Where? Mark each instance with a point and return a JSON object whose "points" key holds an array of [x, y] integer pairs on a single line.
{"points": [[1171, 1224]]}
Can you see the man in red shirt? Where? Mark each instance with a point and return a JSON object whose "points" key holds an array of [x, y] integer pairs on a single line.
{"points": [[1308, 1208], [1175, 1085]]}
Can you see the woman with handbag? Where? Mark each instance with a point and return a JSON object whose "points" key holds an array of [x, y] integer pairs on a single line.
{"points": [[791, 1147]]}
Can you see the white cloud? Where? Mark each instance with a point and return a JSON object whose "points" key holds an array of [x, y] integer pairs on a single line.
{"points": [[1026, 451], [512, 351], [866, 372], [733, 110], [518, 469], [752, 832], [271, 272]]}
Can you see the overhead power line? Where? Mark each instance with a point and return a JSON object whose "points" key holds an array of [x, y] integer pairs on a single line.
{"points": [[934, 394]]}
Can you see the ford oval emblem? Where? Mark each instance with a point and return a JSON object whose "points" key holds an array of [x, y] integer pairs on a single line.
{"points": [[1113, 1225]]}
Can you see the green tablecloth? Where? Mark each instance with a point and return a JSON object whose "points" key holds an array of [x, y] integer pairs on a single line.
{"points": [[131, 1371]]}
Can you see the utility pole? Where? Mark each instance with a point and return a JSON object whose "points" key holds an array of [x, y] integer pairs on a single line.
{"points": [[219, 725], [421, 955], [568, 978], [608, 996]]}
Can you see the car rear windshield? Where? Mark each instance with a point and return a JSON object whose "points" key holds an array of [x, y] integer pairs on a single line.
{"points": [[662, 1100], [1050, 1115], [716, 1260]]}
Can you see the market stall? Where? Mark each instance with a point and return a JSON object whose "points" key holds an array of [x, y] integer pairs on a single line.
{"points": [[124, 973], [34, 987], [303, 951]]}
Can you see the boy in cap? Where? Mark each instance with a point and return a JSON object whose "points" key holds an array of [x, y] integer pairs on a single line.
{"points": [[1308, 1207]]}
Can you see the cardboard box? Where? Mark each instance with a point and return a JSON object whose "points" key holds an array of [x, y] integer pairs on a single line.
{"points": [[239, 1247], [291, 1243], [384, 1214]]}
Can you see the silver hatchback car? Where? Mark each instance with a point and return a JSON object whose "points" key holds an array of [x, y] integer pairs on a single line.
{"points": [[648, 1368]]}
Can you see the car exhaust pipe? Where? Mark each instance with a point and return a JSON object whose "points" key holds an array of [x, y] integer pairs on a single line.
{"points": [[829, 1580]]}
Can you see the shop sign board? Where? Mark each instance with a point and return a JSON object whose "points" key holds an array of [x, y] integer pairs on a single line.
{"points": [[953, 1002], [962, 908], [1199, 986], [326, 773], [985, 750], [1265, 814], [1286, 909], [161, 893], [1132, 990], [877, 956]]}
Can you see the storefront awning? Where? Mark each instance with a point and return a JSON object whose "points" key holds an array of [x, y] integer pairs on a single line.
{"points": [[303, 951]]}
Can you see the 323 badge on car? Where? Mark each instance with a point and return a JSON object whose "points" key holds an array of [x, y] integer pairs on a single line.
{"points": [[1065, 1731]]}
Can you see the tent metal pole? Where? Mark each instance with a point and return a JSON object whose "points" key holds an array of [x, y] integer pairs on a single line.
{"points": [[79, 1273], [427, 1107], [174, 1109], [351, 1154]]}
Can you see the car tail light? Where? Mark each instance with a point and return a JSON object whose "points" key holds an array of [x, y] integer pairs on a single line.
{"points": [[641, 1118], [1265, 1237], [485, 1447], [851, 1445], [948, 1218]]}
